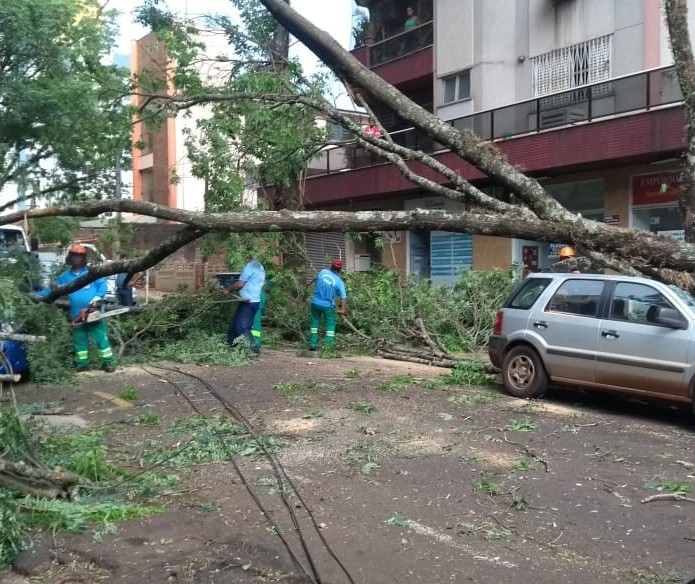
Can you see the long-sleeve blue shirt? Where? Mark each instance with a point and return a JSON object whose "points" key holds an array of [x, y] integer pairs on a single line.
{"points": [[80, 299]]}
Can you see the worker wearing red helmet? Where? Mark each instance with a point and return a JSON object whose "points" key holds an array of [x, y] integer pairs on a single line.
{"points": [[329, 284], [86, 297]]}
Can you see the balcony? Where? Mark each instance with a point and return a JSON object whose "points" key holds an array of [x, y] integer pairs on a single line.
{"points": [[403, 57], [618, 97]]}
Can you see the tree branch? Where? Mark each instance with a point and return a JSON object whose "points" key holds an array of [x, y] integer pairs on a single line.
{"points": [[173, 243], [647, 252], [468, 145]]}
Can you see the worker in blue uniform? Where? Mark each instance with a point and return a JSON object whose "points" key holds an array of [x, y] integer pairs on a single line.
{"points": [[249, 287], [329, 284], [88, 296]]}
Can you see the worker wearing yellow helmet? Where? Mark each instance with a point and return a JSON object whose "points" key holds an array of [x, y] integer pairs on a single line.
{"points": [[566, 253]]}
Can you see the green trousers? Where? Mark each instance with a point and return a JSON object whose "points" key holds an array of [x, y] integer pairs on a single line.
{"points": [[256, 327], [80, 341], [316, 313]]}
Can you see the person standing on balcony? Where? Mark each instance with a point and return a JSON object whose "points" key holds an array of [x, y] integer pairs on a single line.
{"points": [[409, 42], [411, 21]]}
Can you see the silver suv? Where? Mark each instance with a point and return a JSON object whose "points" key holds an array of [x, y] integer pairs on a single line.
{"points": [[628, 335]]}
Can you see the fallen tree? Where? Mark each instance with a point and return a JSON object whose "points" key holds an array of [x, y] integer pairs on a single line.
{"points": [[533, 214]]}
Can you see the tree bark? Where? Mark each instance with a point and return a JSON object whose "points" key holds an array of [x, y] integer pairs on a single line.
{"points": [[677, 20], [36, 482], [659, 256]]}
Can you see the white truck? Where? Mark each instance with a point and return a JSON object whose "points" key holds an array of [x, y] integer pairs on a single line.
{"points": [[13, 239]]}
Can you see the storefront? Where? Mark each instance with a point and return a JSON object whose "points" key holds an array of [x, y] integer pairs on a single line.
{"points": [[582, 197], [437, 255], [655, 203]]}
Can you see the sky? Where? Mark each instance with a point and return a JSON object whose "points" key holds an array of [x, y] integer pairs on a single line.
{"points": [[333, 16]]}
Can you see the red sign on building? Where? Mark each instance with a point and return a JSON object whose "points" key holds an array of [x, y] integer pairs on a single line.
{"points": [[653, 189]]}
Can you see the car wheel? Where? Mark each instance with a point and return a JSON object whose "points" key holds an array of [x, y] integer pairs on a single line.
{"points": [[523, 373]]}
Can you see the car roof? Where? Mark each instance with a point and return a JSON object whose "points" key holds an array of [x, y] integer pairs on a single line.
{"points": [[12, 228], [567, 276]]}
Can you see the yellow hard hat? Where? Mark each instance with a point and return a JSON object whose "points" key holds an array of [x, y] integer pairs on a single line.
{"points": [[566, 252]]}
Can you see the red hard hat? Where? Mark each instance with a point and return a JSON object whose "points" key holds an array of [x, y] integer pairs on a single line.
{"points": [[78, 249], [337, 264]]}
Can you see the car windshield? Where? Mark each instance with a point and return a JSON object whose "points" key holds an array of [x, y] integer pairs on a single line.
{"points": [[11, 241], [686, 297]]}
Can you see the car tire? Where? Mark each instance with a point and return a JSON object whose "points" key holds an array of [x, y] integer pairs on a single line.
{"points": [[523, 373]]}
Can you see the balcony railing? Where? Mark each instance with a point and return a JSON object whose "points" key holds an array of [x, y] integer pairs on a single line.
{"points": [[401, 44], [618, 96]]}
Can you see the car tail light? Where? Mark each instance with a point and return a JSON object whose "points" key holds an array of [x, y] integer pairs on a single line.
{"points": [[499, 321]]}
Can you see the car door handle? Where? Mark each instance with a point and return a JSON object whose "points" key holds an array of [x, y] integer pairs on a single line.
{"points": [[610, 334], [540, 324]]}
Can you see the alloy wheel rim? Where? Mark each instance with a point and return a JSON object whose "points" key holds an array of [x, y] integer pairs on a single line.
{"points": [[521, 372]]}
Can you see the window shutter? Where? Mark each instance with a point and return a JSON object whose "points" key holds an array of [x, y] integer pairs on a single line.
{"points": [[449, 254], [321, 248]]}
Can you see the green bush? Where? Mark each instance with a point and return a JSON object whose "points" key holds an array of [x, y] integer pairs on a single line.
{"points": [[459, 317]]}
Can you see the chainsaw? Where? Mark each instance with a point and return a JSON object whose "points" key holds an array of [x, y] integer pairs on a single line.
{"points": [[93, 314]]}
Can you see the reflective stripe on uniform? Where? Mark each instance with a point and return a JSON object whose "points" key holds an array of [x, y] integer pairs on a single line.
{"points": [[330, 333], [314, 331], [255, 333], [82, 355], [106, 353]]}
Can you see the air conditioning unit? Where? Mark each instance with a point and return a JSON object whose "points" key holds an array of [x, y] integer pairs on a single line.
{"points": [[561, 117], [363, 262]]}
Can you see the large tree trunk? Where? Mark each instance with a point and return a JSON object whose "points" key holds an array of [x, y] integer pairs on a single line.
{"points": [[677, 20], [655, 255]]}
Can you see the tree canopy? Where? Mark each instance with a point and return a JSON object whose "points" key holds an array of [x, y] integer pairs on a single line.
{"points": [[62, 118]]}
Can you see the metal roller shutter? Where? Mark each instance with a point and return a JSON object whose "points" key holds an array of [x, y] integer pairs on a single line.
{"points": [[321, 248], [449, 254]]}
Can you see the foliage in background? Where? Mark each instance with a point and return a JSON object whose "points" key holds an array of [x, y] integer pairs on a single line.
{"points": [[61, 100], [60, 230], [361, 27], [242, 142]]}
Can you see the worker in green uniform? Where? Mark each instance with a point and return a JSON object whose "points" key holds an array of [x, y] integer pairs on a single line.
{"points": [[257, 320], [329, 284]]}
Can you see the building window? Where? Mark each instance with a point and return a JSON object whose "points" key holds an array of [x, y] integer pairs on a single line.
{"points": [[457, 87], [573, 66]]}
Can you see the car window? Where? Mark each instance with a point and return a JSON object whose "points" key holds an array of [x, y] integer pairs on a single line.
{"points": [[637, 303], [581, 297], [529, 292]]}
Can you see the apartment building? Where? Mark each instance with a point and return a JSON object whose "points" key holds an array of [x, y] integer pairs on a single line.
{"points": [[162, 170], [578, 93]]}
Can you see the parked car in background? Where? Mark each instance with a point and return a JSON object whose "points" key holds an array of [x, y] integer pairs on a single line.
{"points": [[628, 335]]}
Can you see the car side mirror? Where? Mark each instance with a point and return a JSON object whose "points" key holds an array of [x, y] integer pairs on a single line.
{"points": [[671, 318]]}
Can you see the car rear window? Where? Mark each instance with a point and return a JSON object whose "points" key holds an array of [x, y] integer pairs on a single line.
{"points": [[525, 297]]}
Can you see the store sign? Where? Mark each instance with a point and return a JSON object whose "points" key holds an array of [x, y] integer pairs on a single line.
{"points": [[653, 189], [611, 219], [677, 234]]}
